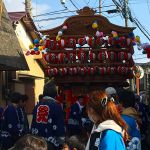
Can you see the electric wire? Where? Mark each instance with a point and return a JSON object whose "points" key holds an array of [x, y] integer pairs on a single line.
{"points": [[74, 4]]}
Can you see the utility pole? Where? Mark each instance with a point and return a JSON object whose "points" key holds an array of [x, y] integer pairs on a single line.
{"points": [[126, 12], [100, 7]]}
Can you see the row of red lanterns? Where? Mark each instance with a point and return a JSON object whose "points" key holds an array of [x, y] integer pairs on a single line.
{"points": [[88, 71], [122, 42], [83, 56]]}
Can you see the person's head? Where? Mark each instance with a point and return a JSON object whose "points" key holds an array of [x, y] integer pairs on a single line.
{"points": [[101, 108], [40, 97], [111, 92], [23, 100], [15, 97], [30, 142], [81, 100], [50, 89], [127, 98], [74, 143]]}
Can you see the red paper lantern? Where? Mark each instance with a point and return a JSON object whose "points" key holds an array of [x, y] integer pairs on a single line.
{"points": [[112, 56], [110, 41], [148, 52], [111, 70], [91, 41], [82, 56], [129, 41], [52, 72], [61, 44], [102, 56], [72, 71], [122, 42], [52, 45], [100, 41], [50, 57], [47, 43], [92, 56], [71, 57], [81, 41], [61, 57], [123, 70], [82, 71], [71, 42], [91, 70], [102, 70], [32, 52], [124, 56], [63, 71]]}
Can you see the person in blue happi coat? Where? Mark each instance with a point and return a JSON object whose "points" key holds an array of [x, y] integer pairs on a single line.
{"points": [[23, 115], [131, 116], [11, 130], [48, 121], [75, 118]]}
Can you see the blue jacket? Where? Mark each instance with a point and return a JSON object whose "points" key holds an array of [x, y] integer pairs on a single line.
{"points": [[107, 136], [48, 121], [11, 129], [23, 120], [133, 128], [134, 133]]}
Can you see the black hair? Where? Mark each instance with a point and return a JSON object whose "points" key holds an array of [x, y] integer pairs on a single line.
{"points": [[127, 98], [24, 98], [50, 89], [15, 97], [30, 142], [76, 142], [40, 96]]}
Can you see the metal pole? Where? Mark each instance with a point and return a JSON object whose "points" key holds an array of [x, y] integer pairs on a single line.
{"points": [[100, 7], [126, 12]]}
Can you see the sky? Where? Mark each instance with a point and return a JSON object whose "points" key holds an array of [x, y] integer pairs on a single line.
{"points": [[139, 9]]}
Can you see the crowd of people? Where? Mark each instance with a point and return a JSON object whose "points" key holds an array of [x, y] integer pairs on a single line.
{"points": [[111, 120]]}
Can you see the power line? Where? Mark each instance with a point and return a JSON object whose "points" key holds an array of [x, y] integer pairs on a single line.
{"points": [[74, 4]]}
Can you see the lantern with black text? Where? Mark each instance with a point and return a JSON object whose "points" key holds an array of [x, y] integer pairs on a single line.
{"points": [[123, 70], [61, 57], [82, 56], [81, 41], [102, 56], [52, 71], [50, 58], [63, 71], [91, 70], [124, 56], [71, 56], [71, 42], [112, 56], [102, 70], [122, 42], [72, 71], [61, 44], [52, 45], [111, 70], [82, 71], [100, 41], [91, 41], [92, 56]]}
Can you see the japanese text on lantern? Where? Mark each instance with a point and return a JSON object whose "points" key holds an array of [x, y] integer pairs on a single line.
{"points": [[42, 114]]}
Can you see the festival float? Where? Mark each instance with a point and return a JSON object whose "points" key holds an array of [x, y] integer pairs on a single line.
{"points": [[86, 53]]}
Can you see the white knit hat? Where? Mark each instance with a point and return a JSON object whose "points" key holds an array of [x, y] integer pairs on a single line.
{"points": [[110, 91]]}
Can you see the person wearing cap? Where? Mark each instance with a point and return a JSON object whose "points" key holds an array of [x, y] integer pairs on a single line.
{"points": [[48, 120], [74, 122], [11, 128]]}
